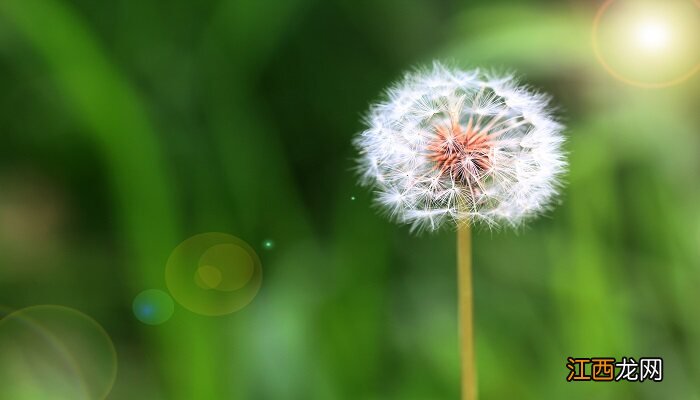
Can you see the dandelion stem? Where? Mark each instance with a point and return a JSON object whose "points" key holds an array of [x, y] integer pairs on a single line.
{"points": [[466, 311]]}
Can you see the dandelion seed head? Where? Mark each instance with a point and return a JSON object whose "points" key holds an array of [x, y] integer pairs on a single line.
{"points": [[447, 146]]}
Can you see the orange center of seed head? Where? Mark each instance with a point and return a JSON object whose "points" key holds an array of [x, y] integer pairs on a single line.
{"points": [[464, 154]]}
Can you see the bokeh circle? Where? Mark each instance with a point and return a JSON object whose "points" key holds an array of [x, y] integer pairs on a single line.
{"points": [[616, 53], [55, 352], [213, 274], [268, 244], [153, 307]]}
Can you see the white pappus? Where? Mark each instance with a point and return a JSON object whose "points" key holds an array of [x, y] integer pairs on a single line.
{"points": [[448, 146]]}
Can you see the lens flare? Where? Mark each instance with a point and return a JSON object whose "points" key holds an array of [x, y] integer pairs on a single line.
{"points": [[54, 352], [650, 44], [153, 307], [213, 274], [652, 35], [269, 244]]}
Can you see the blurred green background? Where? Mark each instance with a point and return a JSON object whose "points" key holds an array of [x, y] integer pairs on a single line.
{"points": [[128, 126]]}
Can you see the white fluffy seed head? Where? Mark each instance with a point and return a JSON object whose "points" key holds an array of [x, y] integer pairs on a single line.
{"points": [[449, 146]]}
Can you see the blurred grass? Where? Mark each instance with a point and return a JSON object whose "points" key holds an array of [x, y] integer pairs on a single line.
{"points": [[237, 116]]}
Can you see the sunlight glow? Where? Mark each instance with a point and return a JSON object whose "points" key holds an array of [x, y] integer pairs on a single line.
{"points": [[652, 35], [648, 43]]}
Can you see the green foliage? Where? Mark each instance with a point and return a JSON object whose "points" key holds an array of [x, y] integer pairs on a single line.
{"points": [[152, 121]]}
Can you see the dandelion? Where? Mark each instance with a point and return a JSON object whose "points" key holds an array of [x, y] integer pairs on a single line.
{"points": [[454, 148], [450, 146]]}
